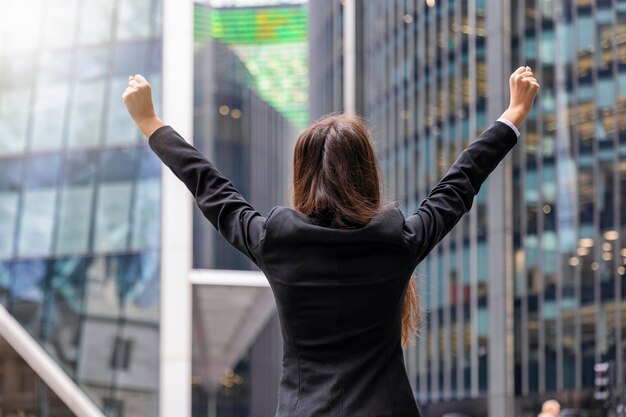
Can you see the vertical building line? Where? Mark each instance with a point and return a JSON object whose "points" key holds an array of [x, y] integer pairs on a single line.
{"points": [[421, 181], [562, 149], [349, 56], [619, 356], [26, 152], [392, 97], [499, 234], [176, 217], [445, 140], [540, 217], [600, 324], [473, 213], [71, 86], [458, 145], [336, 52], [522, 151], [578, 268]]}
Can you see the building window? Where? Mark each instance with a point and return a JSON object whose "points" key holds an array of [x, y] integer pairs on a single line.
{"points": [[113, 407], [120, 357]]}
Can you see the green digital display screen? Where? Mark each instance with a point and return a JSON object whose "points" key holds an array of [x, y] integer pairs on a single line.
{"points": [[263, 25], [272, 43]]}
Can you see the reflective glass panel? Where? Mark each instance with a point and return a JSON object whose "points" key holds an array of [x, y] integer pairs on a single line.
{"points": [[86, 113], [96, 16], [8, 219], [37, 221], [133, 20], [112, 216], [74, 219], [49, 116], [60, 24], [28, 283], [14, 109], [146, 215]]}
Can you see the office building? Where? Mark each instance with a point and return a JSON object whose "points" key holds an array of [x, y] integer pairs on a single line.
{"points": [[79, 195], [325, 58], [525, 294], [251, 143], [97, 241]]}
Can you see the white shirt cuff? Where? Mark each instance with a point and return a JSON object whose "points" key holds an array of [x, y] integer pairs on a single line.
{"points": [[510, 124]]}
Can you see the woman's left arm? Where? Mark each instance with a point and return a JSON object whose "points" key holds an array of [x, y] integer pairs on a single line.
{"points": [[454, 194], [234, 218]]}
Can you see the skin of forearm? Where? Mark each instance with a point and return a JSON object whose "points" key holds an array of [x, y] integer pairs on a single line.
{"points": [[516, 115], [149, 125]]}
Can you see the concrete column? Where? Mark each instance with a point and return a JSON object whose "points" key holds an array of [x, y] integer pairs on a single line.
{"points": [[176, 212], [499, 221], [353, 56], [349, 56]]}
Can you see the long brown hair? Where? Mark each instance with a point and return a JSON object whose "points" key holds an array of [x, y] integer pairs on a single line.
{"points": [[336, 175]]}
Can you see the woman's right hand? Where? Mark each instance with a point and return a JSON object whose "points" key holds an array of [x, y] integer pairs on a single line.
{"points": [[524, 88], [138, 100]]}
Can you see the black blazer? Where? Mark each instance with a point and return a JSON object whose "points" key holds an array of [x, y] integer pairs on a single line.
{"points": [[338, 291]]}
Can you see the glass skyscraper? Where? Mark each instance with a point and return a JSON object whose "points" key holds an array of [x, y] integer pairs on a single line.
{"points": [[249, 136], [425, 98], [325, 57], [569, 187], [81, 226], [80, 193], [525, 294]]}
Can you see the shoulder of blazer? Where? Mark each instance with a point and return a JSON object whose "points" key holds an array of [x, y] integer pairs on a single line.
{"points": [[282, 216], [388, 224]]}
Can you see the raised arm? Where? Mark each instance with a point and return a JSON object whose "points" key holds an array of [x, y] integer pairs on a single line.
{"points": [[454, 194], [233, 217]]}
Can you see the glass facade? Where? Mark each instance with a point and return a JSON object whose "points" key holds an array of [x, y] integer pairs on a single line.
{"points": [[569, 182], [426, 98], [325, 57], [248, 138], [23, 393], [80, 192], [425, 76]]}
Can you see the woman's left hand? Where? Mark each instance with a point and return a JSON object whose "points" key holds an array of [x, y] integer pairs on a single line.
{"points": [[138, 100]]}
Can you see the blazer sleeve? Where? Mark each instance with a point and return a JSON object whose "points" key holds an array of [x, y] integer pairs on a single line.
{"points": [[454, 194], [216, 197]]}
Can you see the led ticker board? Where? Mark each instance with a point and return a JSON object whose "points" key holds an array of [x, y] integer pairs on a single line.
{"points": [[285, 24], [253, 3], [272, 43]]}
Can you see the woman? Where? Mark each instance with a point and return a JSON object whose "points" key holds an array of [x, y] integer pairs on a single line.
{"points": [[340, 263]]}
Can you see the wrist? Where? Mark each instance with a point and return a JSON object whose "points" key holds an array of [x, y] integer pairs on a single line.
{"points": [[149, 125], [516, 114]]}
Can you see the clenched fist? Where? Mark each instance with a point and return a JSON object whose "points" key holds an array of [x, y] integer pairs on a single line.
{"points": [[524, 88], [138, 100]]}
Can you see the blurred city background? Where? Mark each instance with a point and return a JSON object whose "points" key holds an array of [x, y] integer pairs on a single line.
{"points": [[524, 300]]}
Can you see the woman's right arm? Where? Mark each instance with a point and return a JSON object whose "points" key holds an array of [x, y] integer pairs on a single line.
{"points": [[454, 194], [216, 197]]}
